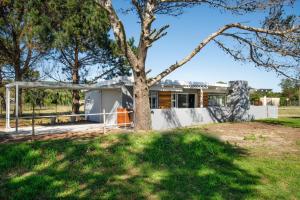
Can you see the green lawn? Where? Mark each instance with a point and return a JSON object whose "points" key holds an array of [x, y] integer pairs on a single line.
{"points": [[183, 164], [289, 122]]}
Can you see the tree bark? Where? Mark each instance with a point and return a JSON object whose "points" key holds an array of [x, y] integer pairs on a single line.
{"points": [[142, 110], [2, 95], [19, 77], [75, 80], [19, 72]]}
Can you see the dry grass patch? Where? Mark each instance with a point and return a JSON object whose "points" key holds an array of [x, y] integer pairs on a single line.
{"points": [[273, 139]]}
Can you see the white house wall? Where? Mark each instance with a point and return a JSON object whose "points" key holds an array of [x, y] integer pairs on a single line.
{"points": [[98, 101], [179, 117], [111, 100], [127, 97], [93, 105]]}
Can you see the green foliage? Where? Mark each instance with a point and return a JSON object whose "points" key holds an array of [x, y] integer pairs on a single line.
{"points": [[35, 97], [48, 97], [256, 95], [182, 164], [22, 27], [81, 40], [290, 89]]}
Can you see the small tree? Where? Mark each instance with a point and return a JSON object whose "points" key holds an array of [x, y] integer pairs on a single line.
{"points": [[34, 97], [261, 46]]}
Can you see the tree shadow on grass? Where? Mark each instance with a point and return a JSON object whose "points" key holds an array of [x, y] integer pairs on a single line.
{"points": [[196, 167], [124, 166]]}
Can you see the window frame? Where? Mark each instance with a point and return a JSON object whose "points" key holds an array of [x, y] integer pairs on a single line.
{"points": [[224, 97], [187, 99], [153, 94]]}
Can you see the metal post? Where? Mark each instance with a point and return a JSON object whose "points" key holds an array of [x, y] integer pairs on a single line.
{"points": [[201, 98], [33, 118], [299, 95], [7, 122], [17, 107], [104, 120]]}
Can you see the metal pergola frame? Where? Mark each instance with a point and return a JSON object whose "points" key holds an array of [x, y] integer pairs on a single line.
{"points": [[45, 85]]}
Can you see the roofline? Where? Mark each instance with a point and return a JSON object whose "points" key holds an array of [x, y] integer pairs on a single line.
{"points": [[56, 85], [114, 83]]}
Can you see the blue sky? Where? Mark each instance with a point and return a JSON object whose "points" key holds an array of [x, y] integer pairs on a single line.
{"points": [[211, 64]]}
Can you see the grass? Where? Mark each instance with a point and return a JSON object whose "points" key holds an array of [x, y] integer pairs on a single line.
{"points": [[250, 137], [289, 122], [183, 164], [289, 111]]}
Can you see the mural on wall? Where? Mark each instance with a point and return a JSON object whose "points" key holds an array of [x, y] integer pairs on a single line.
{"points": [[238, 101], [238, 104]]}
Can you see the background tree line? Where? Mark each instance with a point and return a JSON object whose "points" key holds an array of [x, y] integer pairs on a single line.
{"points": [[289, 95]]}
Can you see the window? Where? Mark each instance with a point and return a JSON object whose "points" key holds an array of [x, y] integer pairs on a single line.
{"points": [[183, 100], [216, 100], [173, 100], [153, 100]]}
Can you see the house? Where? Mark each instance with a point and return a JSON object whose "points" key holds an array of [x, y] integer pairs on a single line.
{"points": [[175, 103], [118, 93]]}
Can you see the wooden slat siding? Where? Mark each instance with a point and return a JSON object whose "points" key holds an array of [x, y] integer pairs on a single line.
{"points": [[164, 99], [205, 99], [124, 117]]}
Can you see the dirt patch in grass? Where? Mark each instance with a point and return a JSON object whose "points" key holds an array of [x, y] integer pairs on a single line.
{"points": [[256, 136], [7, 138]]}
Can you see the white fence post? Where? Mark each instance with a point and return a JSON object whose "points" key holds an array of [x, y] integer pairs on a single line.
{"points": [[7, 108], [17, 107], [104, 120]]}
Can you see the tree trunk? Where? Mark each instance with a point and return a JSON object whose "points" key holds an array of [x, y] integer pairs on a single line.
{"points": [[75, 80], [75, 101], [19, 77], [2, 95], [142, 110]]}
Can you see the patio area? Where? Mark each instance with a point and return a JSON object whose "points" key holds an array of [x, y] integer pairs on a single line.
{"points": [[55, 129]]}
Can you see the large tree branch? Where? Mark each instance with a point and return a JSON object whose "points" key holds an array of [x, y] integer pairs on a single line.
{"points": [[147, 18], [157, 34], [175, 66], [253, 55], [66, 58], [119, 32]]}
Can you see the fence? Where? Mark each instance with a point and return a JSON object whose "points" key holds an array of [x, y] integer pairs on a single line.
{"points": [[179, 117], [107, 121], [173, 118]]}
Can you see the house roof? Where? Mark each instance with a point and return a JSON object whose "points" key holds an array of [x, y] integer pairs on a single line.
{"points": [[183, 84], [165, 83], [52, 85]]}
